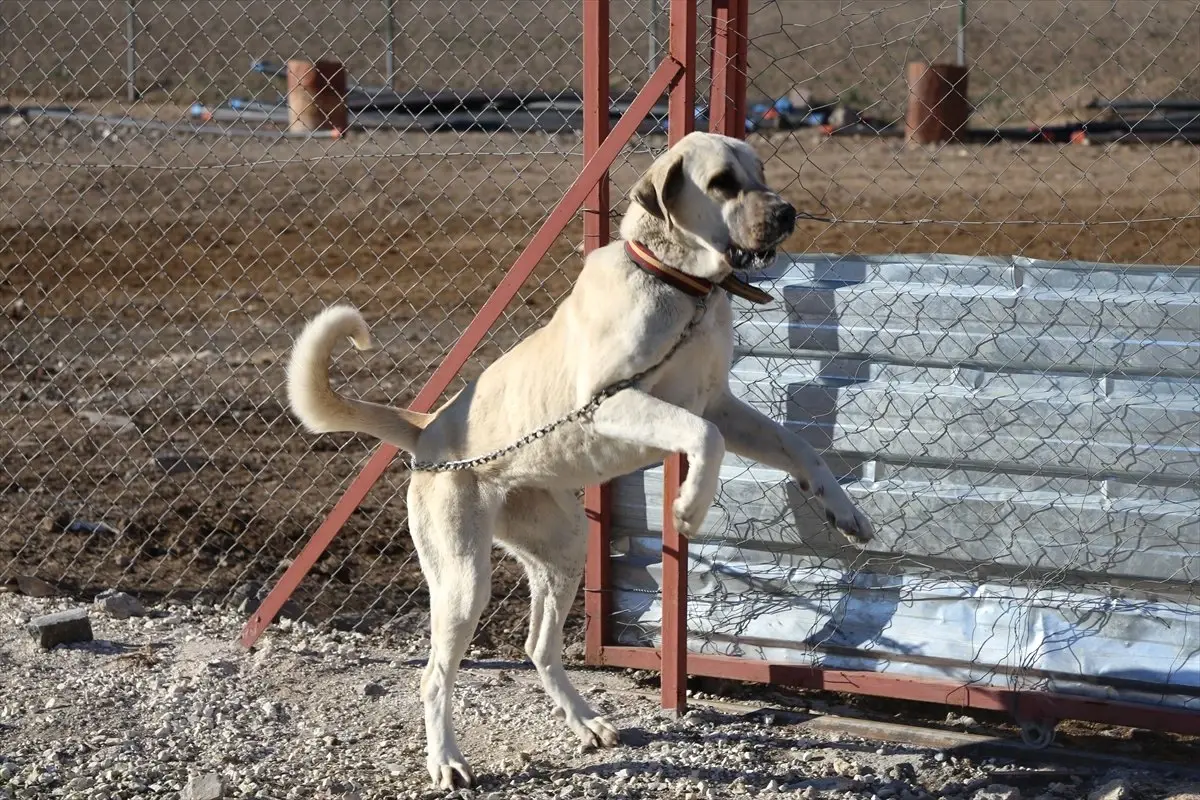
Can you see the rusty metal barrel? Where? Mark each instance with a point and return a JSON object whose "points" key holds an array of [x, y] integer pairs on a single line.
{"points": [[938, 109], [316, 96]]}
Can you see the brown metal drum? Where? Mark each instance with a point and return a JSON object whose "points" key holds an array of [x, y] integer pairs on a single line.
{"points": [[316, 96], [938, 109]]}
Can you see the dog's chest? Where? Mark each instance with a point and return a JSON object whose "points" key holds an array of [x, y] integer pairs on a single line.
{"points": [[699, 370]]}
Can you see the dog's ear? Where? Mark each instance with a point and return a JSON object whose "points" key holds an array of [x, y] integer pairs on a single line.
{"points": [[659, 187]]}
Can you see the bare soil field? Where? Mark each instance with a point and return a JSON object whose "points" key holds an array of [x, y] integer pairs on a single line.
{"points": [[151, 288], [1031, 61]]}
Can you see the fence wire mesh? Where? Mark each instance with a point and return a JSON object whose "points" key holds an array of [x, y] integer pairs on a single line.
{"points": [[158, 258], [155, 268], [1023, 434]]}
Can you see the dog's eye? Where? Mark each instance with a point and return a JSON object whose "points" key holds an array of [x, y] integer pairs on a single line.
{"points": [[725, 184]]}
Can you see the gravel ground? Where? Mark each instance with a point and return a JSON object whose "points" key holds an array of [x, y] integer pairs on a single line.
{"points": [[168, 705]]}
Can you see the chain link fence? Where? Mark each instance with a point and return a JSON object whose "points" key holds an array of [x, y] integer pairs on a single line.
{"points": [[154, 269]]}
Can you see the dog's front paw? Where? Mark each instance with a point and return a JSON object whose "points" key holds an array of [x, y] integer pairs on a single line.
{"points": [[689, 516], [856, 528], [696, 496], [449, 771], [840, 510]]}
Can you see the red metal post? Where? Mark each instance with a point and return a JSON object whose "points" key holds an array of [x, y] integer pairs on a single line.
{"points": [[741, 66], [680, 122], [537, 248], [720, 103], [727, 107], [597, 600], [682, 101], [596, 231], [673, 675]]}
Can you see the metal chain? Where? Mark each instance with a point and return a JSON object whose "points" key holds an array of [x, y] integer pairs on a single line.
{"points": [[579, 413]]}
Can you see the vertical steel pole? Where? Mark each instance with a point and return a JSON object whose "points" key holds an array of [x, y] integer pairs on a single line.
{"points": [[741, 66], [596, 232], [680, 122], [962, 33], [389, 33], [131, 59]]}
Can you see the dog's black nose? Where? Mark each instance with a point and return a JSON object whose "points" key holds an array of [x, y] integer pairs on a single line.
{"points": [[785, 217]]}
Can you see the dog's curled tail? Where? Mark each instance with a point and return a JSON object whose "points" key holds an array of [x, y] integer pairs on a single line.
{"points": [[319, 407]]}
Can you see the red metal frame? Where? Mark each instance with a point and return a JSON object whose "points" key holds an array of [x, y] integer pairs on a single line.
{"points": [[1023, 705], [596, 233], [680, 122], [596, 166], [727, 115]]}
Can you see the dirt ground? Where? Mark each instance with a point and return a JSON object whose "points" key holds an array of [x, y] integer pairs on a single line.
{"points": [[151, 283], [1034, 60]]}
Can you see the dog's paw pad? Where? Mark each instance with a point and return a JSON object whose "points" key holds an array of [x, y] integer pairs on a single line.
{"points": [[857, 528]]}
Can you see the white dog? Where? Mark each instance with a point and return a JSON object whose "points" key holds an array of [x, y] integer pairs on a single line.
{"points": [[633, 366]]}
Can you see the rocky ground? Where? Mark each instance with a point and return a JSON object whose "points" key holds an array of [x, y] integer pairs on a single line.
{"points": [[167, 705]]}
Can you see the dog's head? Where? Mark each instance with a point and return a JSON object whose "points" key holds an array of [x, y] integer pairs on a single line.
{"points": [[707, 195]]}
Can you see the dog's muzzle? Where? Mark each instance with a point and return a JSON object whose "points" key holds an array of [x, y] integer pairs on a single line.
{"points": [[781, 223]]}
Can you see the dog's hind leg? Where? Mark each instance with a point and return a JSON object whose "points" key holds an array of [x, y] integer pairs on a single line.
{"points": [[546, 532], [452, 519]]}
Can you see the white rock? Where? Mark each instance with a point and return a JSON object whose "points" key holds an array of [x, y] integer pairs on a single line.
{"points": [[204, 787], [120, 605], [1113, 790], [998, 791]]}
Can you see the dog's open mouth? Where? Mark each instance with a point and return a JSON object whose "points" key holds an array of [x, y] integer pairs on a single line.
{"points": [[743, 260]]}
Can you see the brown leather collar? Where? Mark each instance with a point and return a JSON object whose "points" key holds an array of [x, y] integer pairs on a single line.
{"points": [[690, 284]]}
